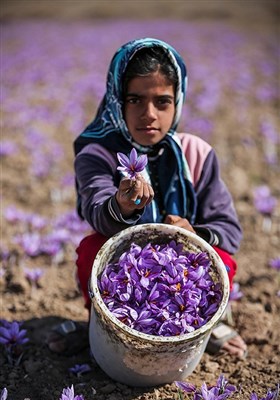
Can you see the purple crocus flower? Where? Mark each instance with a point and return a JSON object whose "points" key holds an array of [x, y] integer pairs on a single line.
{"points": [[270, 395], [7, 148], [4, 394], [68, 180], [221, 391], [235, 293], [269, 132], [12, 335], [68, 394], [79, 369], [266, 205], [264, 202], [37, 221], [50, 247], [160, 289], [224, 387], [30, 243], [2, 272], [275, 263], [106, 286], [132, 165], [143, 321], [12, 338], [13, 214], [186, 387], [33, 275]]}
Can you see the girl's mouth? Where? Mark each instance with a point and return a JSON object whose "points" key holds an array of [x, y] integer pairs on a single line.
{"points": [[148, 130]]}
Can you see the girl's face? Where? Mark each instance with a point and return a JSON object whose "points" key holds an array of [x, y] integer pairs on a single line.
{"points": [[149, 108]]}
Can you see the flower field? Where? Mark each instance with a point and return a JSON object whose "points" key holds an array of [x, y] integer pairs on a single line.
{"points": [[53, 77]]}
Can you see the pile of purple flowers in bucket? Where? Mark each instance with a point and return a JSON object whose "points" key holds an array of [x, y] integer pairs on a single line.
{"points": [[161, 289]]}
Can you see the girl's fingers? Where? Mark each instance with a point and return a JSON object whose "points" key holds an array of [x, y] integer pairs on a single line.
{"points": [[148, 194], [178, 221], [126, 184], [142, 196], [134, 193], [183, 223], [137, 191], [172, 219]]}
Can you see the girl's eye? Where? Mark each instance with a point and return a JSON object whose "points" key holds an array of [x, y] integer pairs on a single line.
{"points": [[164, 101], [133, 100]]}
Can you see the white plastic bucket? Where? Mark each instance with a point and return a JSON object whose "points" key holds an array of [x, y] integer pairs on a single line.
{"points": [[139, 359]]}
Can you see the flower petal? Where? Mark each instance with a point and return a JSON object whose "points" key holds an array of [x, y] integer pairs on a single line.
{"points": [[133, 156], [123, 160]]}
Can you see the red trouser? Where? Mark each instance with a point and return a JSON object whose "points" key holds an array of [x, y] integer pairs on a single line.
{"points": [[90, 245]]}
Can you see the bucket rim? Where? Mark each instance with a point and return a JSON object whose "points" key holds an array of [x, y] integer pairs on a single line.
{"points": [[164, 228]]}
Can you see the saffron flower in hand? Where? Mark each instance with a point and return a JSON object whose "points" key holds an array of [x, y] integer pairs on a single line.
{"points": [[132, 165]]}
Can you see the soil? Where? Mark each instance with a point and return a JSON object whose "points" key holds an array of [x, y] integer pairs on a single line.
{"points": [[46, 50]]}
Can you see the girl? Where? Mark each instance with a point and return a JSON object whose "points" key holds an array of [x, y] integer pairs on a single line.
{"points": [[181, 185]]}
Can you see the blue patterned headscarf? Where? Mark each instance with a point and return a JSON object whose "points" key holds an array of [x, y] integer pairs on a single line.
{"points": [[109, 129]]}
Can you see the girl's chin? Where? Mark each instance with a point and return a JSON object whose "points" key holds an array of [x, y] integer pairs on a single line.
{"points": [[148, 140]]}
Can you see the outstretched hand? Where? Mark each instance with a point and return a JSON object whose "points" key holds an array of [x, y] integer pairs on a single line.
{"points": [[131, 191], [178, 221]]}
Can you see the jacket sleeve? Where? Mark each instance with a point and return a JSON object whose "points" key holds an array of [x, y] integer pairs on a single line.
{"points": [[216, 220], [97, 184]]}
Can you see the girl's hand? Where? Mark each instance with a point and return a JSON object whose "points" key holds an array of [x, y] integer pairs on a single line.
{"points": [[131, 190], [178, 221]]}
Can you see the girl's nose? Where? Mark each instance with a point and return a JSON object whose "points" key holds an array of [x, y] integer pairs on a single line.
{"points": [[149, 112]]}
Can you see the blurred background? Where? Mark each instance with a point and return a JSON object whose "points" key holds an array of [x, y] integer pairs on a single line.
{"points": [[244, 11]]}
